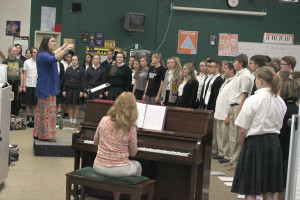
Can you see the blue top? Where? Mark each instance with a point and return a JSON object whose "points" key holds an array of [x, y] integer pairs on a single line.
{"points": [[48, 79]]}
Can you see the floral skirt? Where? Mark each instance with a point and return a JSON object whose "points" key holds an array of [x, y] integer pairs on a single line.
{"points": [[45, 118]]}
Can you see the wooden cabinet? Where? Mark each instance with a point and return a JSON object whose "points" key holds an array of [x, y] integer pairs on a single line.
{"points": [[39, 35]]}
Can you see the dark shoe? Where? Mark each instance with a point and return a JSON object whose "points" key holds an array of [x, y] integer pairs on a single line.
{"points": [[224, 160], [65, 116], [30, 125], [217, 157]]}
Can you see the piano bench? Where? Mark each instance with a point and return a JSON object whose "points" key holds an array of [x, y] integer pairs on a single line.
{"points": [[136, 191]]}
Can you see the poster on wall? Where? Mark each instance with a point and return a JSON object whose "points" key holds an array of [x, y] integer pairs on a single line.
{"points": [[102, 51], [278, 38], [70, 41], [48, 17], [110, 44], [228, 44], [187, 42], [99, 35], [23, 41], [13, 28], [85, 36], [99, 42]]}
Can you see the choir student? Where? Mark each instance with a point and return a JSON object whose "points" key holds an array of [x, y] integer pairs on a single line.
{"points": [[87, 61], [290, 93], [187, 90], [94, 76], [156, 76], [107, 63], [260, 167], [201, 76], [204, 88], [47, 88], [288, 63], [119, 78], [116, 138], [30, 78], [240, 89], [14, 77], [171, 82], [27, 54], [141, 78], [221, 121], [73, 89], [256, 62], [67, 61], [19, 53], [214, 85]]}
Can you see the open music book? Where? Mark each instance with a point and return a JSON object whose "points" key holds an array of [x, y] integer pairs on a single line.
{"points": [[151, 116]]}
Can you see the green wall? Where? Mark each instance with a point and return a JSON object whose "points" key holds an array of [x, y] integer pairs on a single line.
{"points": [[108, 16]]}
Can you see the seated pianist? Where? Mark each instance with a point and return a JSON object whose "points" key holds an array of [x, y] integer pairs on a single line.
{"points": [[116, 138]]}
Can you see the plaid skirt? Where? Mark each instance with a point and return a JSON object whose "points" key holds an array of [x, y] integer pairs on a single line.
{"points": [[31, 99], [72, 96], [45, 118], [59, 99], [260, 167], [114, 92]]}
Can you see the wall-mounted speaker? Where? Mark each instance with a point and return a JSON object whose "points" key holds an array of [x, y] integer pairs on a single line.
{"points": [[76, 7]]}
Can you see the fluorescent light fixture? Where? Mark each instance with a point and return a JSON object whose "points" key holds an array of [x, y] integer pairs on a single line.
{"points": [[234, 12]]}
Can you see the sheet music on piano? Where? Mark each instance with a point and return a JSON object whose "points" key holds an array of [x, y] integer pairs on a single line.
{"points": [[293, 174], [151, 116]]}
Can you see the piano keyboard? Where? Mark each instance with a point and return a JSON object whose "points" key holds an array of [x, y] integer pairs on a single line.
{"points": [[177, 153]]}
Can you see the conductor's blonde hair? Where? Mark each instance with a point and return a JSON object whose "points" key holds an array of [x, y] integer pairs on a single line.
{"points": [[123, 113]]}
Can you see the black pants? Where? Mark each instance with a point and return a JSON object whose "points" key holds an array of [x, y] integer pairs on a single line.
{"points": [[15, 104], [139, 94], [167, 103]]}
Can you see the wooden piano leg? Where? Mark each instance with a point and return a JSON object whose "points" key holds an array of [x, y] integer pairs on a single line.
{"points": [[68, 189], [76, 166], [193, 182], [76, 159]]}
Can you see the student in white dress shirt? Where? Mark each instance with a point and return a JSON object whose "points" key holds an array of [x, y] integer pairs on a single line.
{"points": [[205, 86], [30, 77], [201, 75], [260, 166], [256, 62], [240, 90], [221, 122]]}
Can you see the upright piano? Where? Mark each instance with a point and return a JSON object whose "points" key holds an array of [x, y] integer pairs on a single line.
{"points": [[178, 158]]}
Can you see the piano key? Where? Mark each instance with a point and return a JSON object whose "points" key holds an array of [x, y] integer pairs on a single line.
{"points": [[163, 151]]}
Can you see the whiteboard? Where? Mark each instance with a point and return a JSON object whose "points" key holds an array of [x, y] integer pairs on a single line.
{"points": [[272, 50], [293, 176]]}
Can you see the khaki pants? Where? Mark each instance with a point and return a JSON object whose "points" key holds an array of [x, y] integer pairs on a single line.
{"points": [[234, 144], [214, 141], [222, 134], [150, 100]]}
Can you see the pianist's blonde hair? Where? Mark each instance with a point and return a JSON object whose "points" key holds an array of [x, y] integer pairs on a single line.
{"points": [[123, 113]]}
